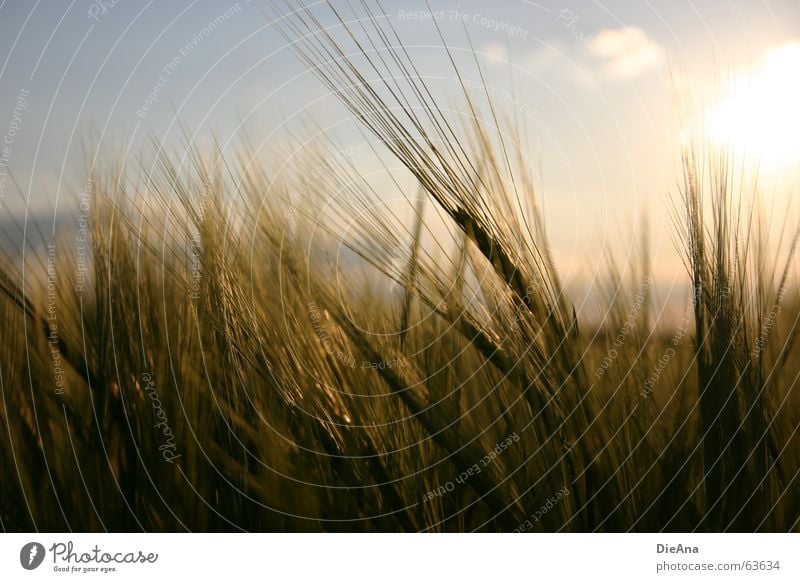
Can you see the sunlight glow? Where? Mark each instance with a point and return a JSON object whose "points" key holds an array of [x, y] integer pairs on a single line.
{"points": [[760, 116]]}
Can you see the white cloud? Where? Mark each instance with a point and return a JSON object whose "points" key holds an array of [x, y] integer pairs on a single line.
{"points": [[495, 52], [622, 53], [628, 51]]}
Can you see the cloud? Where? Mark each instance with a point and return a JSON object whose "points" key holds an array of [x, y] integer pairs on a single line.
{"points": [[615, 54], [628, 51], [495, 52]]}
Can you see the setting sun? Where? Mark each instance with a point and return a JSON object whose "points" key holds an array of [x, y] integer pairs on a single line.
{"points": [[759, 116]]}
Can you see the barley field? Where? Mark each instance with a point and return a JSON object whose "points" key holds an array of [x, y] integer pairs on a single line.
{"points": [[262, 339]]}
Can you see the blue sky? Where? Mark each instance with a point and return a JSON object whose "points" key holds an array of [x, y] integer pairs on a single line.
{"points": [[590, 75]]}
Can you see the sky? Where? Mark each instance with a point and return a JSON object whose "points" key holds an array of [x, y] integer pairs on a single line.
{"points": [[593, 80]]}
